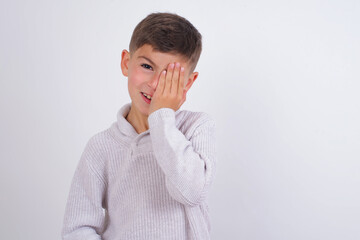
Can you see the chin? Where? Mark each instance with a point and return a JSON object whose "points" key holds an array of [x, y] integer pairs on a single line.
{"points": [[143, 109]]}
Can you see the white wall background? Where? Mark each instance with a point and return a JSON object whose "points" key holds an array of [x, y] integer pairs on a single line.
{"points": [[280, 77]]}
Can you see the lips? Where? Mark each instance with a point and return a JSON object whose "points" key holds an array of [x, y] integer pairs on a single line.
{"points": [[145, 98]]}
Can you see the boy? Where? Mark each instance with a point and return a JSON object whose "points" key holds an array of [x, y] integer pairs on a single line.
{"points": [[148, 175]]}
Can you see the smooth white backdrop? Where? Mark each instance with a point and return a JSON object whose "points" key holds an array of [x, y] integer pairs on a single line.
{"points": [[281, 78]]}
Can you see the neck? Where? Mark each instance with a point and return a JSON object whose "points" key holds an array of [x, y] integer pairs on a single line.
{"points": [[138, 121]]}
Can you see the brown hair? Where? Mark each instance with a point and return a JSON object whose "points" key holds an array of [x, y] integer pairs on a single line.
{"points": [[168, 33]]}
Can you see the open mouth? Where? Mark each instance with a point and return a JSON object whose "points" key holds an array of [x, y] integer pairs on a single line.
{"points": [[146, 96]]}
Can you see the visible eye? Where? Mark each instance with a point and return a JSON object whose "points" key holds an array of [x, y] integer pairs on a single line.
{"points": [[144, 65]]}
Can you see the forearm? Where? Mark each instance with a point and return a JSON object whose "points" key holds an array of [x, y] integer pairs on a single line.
{"points": [[188, 164]]}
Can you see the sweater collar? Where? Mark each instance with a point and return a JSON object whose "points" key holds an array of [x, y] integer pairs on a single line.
{"points": [[126, 128]]}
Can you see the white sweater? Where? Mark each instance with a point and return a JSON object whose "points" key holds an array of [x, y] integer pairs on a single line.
{"points": [[149, 186]]}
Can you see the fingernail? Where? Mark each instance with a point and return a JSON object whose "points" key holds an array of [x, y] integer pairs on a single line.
{"points": [[171, 65], [182, 69], [177, 65]]}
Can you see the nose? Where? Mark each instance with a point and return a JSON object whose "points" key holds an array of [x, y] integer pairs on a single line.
{"points": [[154, 81]]}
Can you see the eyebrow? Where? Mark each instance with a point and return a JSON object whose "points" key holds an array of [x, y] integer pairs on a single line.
{"points": [[149, 60]]}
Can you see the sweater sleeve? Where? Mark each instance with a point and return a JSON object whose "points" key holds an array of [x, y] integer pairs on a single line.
{"points": [[189, 165], [85, 213]]}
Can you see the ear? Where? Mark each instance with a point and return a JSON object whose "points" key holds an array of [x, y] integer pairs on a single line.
{"points": [[193, 76], [125, 57]]}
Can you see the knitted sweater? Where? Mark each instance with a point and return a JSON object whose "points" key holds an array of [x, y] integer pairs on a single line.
{"points": [[151, 185]]}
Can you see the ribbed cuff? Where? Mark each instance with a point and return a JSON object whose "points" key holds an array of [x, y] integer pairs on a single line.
{"points": [[160, 116]]}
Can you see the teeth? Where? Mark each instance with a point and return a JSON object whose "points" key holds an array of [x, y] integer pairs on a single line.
{"points": [[147, 96]]}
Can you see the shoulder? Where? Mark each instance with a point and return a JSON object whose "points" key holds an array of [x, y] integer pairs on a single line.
{"points": [[100, 141], [97, 149], [190, 122]]}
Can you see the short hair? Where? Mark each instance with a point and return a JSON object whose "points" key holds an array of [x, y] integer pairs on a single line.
{"points": [[168, 33]]}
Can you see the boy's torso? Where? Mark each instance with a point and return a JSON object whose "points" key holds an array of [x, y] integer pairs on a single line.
{"points": [[137, 201]]}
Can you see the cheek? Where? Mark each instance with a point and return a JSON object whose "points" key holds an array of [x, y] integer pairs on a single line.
{"points": [[137, 76]]}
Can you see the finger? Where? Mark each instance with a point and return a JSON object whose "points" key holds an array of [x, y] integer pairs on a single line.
{"points": [[175, 79], [181, 82], [161, 83], [169, 75]]}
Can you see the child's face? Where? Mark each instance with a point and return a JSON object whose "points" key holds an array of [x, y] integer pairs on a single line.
{"points": [[143, 69]]}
